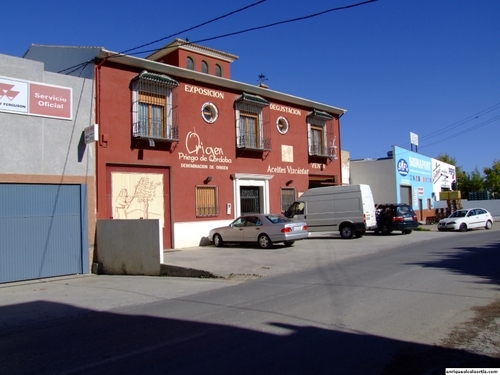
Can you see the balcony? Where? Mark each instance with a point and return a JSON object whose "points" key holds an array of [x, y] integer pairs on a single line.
{"points": [[322, 151], [251, 142]]}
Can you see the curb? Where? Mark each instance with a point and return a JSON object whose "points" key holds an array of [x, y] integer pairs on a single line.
{"points": [[176, 271]]}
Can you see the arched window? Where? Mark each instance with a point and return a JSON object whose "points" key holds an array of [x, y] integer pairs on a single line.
{"points": [[190, 63], [204, 67], [218, 70]]}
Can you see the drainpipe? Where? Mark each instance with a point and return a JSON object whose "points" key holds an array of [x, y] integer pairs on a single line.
{"points": [[97, 78]]}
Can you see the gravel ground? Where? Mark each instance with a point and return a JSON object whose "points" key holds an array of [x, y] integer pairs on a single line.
{"points": [[473, 344], [480, 335]]}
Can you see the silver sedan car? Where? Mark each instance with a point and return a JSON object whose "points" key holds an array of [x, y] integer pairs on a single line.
{"points": [[465, 219], [263, 229]]}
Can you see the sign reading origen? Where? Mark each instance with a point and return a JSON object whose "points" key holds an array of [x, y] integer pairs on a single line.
{"points": [[35, 99]]}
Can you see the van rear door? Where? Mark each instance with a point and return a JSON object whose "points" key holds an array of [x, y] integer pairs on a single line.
{"points": [[368, 207]]}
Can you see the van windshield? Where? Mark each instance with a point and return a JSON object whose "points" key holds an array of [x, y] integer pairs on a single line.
{"points": [[297, 208]]}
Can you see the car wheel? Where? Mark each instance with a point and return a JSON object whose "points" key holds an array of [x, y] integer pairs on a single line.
{"points": [[289, 243], [489, 224], [347, 232], [218, 240], [359, 234], [264, 241], [463, 227]]}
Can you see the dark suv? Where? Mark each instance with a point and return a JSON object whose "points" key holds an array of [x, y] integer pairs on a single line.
{"points": [[394, 216]]}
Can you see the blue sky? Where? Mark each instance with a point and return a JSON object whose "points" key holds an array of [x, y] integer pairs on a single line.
{"points": [[431, 67]]}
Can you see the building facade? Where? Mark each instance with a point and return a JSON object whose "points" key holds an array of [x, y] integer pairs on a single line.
{"points": [[405, 177], [181, 142], [47, 205]]}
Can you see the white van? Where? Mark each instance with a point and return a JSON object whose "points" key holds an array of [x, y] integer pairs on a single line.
{"points": [[350, 209]]}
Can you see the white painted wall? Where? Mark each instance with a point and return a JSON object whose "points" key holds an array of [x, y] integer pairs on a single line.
{"points": [[493, 206], [195, 233], [379, 174]]}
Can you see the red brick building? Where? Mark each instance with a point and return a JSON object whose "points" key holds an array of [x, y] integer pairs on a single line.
{"points": [[182, 142]]}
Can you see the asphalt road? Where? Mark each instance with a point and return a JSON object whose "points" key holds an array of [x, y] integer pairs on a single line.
{"points": [[358, 314]]}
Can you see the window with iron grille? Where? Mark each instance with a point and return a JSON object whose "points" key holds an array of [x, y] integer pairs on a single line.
{"points": [[252, 124], [154, 107], [321, 137], [250, 129], [287, 198], [317, 145], [206, 201]]}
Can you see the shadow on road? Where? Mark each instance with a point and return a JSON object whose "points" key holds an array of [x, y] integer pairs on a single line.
{"points": [[482, 262], [86, 341]]}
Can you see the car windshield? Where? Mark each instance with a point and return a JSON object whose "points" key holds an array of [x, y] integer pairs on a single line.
{"points": [[460, 213], [276, 219]]}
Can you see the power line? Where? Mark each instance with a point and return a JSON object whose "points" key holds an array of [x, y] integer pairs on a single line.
{"points": [[480, 125], [462, 122], [271, 24], [85, 63], [195, 27], [454, 125]]}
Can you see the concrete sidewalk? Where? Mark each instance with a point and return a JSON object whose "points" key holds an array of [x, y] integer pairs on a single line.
{"points": [[248, 261]]}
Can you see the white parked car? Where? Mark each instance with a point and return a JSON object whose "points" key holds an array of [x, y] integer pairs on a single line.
{"points": [[262, 229], [465, 219]]}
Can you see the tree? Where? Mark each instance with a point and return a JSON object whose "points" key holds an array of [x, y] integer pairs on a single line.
{"points": [[445, 158], [476, 180], [492, 178]]}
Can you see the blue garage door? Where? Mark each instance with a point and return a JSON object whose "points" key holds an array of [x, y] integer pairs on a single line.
{"points": [[43, 231]]}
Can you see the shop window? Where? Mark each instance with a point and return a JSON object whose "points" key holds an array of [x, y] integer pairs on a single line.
{"points": [[190, 63], [204, 67], [287, 198], [252, 126], [154, 106], [206, 201], [218, 70], [321, 138]]}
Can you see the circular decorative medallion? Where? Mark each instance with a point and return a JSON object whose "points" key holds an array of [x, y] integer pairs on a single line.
{"points": [[282, 125], [209, 112]]}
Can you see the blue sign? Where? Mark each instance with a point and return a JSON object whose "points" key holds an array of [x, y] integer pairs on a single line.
{"points": [[403, 167]]}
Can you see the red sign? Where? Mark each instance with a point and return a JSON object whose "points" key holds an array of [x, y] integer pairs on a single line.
{"points": [[50, 101], [36, 99]]}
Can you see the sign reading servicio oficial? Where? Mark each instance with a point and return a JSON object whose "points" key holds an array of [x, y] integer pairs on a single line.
{"points": [[35, 99]]}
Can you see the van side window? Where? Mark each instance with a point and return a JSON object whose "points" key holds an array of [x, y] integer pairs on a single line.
{"points": [[297, 208]]}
